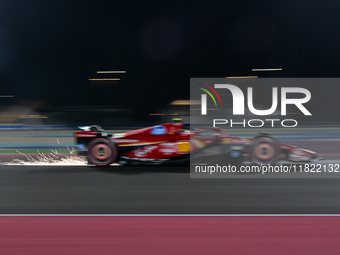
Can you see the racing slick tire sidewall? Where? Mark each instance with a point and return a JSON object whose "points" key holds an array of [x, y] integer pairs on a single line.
{"points": [[102, 152], [264, 151]]}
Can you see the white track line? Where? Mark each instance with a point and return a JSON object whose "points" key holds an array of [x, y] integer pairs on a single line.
{"points": [[174, 215]]}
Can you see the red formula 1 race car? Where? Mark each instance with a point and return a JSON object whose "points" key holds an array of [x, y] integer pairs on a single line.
{"points": [[171, 144]]}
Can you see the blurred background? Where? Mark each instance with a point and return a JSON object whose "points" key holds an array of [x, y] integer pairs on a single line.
{"points": [[51, 52]]}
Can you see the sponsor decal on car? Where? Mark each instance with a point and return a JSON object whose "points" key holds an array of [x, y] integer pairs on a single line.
{"points": [[167, 151], [183, 146], [118, 135], [145, 151], [226, 140], [159, 130], [128, 140], [197, 143], [235, 154]]}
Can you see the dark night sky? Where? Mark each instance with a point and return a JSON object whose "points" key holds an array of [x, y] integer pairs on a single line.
{"points": [[50, 48]]}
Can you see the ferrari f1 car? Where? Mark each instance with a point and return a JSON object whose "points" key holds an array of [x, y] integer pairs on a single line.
{"points": [[171, 144]]}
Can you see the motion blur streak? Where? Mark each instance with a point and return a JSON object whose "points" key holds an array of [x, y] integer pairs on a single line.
{"points": [[266, 69], [169, 235], [108, 79], [111, 71]]}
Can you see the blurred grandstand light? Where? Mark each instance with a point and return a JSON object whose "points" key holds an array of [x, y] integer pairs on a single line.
{"points": [[111, 71], [266, 69], [107, 79], [6, 95], [33, 117], [185, 102], [241, 77], [163, 114]]}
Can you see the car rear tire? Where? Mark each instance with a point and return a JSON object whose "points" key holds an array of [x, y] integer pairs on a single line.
{"points": [[102, 152], [264, 151]]}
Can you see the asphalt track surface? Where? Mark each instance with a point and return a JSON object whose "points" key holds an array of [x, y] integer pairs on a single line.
{"points": [[157, 190]]}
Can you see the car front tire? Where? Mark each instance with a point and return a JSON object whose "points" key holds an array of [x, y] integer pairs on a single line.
{"points": [[102, 152]]}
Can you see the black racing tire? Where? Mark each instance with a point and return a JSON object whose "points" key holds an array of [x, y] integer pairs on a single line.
{"points": [[102, 152], [264, 151]]}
